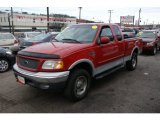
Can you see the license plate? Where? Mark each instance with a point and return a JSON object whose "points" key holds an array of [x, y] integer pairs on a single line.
{"points": [[21, 79]]}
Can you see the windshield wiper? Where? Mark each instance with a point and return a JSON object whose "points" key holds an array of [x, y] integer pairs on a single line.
{"points": [[72, 40], [55, 40]]}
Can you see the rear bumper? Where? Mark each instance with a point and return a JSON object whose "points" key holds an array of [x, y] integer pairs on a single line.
{"points": [[43, 80]]}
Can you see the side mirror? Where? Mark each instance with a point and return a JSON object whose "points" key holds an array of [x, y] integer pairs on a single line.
{"points": [[104, 40]]}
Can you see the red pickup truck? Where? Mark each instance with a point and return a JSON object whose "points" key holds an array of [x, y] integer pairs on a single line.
{"points": [[77, 55]]}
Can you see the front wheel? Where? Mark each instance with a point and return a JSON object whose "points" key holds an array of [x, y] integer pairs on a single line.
{"points": [[4, 65], [154, 51], [78, 84], [132, 64]]}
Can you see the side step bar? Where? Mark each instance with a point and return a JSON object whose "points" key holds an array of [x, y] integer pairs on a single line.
{"points": [[108, 72]]}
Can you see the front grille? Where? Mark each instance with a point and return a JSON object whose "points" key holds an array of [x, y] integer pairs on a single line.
{"points": [[144, 43], [28, 63]]}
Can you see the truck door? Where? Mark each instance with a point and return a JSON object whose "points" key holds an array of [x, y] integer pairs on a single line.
{"points": [[106, 54], [120, 41]]}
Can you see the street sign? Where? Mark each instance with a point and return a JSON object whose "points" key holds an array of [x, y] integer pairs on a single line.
{"points": [[127, 19]]}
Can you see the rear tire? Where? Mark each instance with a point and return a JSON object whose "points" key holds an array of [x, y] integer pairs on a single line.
{"points": [[78, 84], [132, 64], [4, 65]]}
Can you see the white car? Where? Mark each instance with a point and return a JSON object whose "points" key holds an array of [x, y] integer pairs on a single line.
{"points": [[128, 33], [27, 35], [7, 40]]}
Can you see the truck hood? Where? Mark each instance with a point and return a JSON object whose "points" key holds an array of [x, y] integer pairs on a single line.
{"points": [[57, 48]]}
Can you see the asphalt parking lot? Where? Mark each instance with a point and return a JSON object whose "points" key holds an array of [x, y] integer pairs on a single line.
{"points": [[120, 92]]}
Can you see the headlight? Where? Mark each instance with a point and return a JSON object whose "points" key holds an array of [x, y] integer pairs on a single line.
{"points": [[9, 52], [50, 65], [150, 44]]}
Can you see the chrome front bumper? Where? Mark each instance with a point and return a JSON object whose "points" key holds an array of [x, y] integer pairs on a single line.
{"points": [[41, 77]]}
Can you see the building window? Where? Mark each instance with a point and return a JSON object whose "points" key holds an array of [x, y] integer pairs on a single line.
{"points": [[4, 19]]}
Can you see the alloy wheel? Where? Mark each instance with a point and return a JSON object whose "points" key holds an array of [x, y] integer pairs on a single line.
{"points": [[3, 65]]}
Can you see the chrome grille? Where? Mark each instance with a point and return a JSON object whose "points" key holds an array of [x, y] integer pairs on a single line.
{"points": [[27, 63]]}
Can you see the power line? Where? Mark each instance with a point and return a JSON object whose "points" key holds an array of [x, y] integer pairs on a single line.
{"points": [[110, 13], [80, 8], [139, 19], [48, 19]]}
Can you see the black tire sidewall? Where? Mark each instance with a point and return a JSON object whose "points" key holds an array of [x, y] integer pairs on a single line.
{"points": [[134, 56], [70, 87], [155, 48], [129, 64]]}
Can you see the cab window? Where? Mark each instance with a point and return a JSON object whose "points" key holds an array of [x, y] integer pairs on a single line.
{"points": [[106, 31]]}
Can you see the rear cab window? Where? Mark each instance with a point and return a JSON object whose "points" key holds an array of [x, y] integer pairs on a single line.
{"points": [[117, 32]]}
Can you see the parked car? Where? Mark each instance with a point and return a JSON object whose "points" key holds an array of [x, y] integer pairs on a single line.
{"points": [[150, 41], [41, 38], [7, 40], [128, 32], [26, 35], [7, 59], [78, 54]]}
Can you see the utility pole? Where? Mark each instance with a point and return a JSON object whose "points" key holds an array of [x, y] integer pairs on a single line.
{"points": [[12, 20], [9, 23], [47, 19], [80, 8], [110, 13], [139, 19]]}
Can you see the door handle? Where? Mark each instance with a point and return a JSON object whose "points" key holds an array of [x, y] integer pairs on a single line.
{"points": [[115, 47]]}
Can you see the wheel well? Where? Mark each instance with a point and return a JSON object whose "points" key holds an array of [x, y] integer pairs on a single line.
{"points": [[85, 66]]}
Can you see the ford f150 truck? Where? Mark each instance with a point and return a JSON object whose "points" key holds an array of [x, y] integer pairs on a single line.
{"points": [[77, 55]]}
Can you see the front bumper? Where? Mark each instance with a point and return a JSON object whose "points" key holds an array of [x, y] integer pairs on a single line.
{"points": [[147, 48], [43, 80]]}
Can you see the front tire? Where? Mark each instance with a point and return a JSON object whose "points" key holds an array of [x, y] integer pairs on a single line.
{"points": [[78, 84], [154, 51], [132, 64], [4, 65]]}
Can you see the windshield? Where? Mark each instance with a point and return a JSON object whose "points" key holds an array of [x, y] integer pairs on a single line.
{"points": [[78, 34], [6, 36], [148, 35], [39, 37], [30, 35]]}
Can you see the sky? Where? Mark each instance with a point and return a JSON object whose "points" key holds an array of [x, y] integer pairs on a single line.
{"points": [[96, 10], [149, 15]]}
